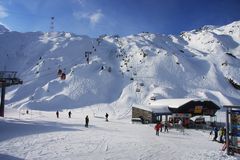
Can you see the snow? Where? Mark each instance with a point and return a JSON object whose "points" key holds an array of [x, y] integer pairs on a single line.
{"points": [[185, 66], [3, 29], [40, 135], [154, 108], [174, 103], [121, 72]]}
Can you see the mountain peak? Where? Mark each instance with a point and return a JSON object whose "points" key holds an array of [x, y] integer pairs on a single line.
{"points": [[3, 29]]}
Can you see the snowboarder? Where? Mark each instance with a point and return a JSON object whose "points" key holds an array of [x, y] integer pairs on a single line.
{"points": [[27, 111], [157, 128], [69, 114], [106, 116], [57, 113], [86, 121]]}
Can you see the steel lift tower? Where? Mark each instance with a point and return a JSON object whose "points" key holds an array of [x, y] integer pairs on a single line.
{"points": [[7, 78]]}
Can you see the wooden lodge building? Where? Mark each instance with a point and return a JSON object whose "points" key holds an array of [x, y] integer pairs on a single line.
{"points": [[165, 107]]}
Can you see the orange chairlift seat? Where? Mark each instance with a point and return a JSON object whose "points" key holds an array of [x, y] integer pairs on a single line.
{"points": [[63, 76]]}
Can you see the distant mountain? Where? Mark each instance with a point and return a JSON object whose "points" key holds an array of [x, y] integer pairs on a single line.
{"points": [[3, 29], [119, 71]]}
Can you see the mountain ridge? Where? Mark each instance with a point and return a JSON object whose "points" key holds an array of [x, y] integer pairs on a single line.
{"points": [[198, 63]]}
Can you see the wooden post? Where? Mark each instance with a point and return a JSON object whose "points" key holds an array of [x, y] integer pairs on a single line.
{"points": [[2, 100], [227, 130]]}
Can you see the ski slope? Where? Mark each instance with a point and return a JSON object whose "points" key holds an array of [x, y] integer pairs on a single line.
{"points": [[40, 135], [194, 64]]}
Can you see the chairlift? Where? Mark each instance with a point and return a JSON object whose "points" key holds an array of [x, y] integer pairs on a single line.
{"points": [[138, 90], [153, 98], [63, 76], [59, 72]]}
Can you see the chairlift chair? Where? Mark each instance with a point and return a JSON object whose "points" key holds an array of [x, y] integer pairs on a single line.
{"points": [[138, 90], [59, 72], [63, 76], [153, 98]]}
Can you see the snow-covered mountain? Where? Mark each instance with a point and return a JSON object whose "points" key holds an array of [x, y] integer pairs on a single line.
{"points": [[202, 63], [3, 29]]}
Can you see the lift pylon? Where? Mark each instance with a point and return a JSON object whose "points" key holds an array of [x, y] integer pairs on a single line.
{"points": [[7, 78]]}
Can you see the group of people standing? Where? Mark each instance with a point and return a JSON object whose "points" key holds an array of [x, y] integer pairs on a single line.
{"points": [[69, 114], [219, 132], [86, 118], [159, 127]]}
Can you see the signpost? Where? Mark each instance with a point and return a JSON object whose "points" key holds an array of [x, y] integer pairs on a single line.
{"points": [[232, 129]]}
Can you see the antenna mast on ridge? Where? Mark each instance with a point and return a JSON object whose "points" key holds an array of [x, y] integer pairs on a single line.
{"points": [[52, 24]]}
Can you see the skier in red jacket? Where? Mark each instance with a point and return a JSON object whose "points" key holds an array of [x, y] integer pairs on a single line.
{"points": [[157, 128]]}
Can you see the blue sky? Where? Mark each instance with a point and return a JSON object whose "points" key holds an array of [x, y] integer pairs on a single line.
{"points": [[123, 17]]}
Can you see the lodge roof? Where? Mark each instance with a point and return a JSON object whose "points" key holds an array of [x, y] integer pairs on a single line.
{"points": [[154, 108], [175, 103], [167, 105]]}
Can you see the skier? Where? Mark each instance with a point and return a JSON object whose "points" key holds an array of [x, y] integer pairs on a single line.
{"points": [[215, 134], [180, 125], [106, 116], [57, 113], [161, 127], [224, 134], [166, 126], [157, 128], [221, 134], [86, 121], [142, 119], [69, 114]]}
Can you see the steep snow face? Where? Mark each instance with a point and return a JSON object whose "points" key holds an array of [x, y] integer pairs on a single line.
{"points": [[87, 81], [120, 71]]}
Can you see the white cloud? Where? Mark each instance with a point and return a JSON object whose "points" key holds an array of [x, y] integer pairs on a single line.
{"points": [[3, 12], [81, 2], [96, 17], [80, 15], [93, 17]]}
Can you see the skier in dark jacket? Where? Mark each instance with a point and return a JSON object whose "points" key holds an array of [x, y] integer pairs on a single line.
{"points": [[86, 121], [106, 116], [215, 134], [57, 114], [166, 126], [69, 114]]}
